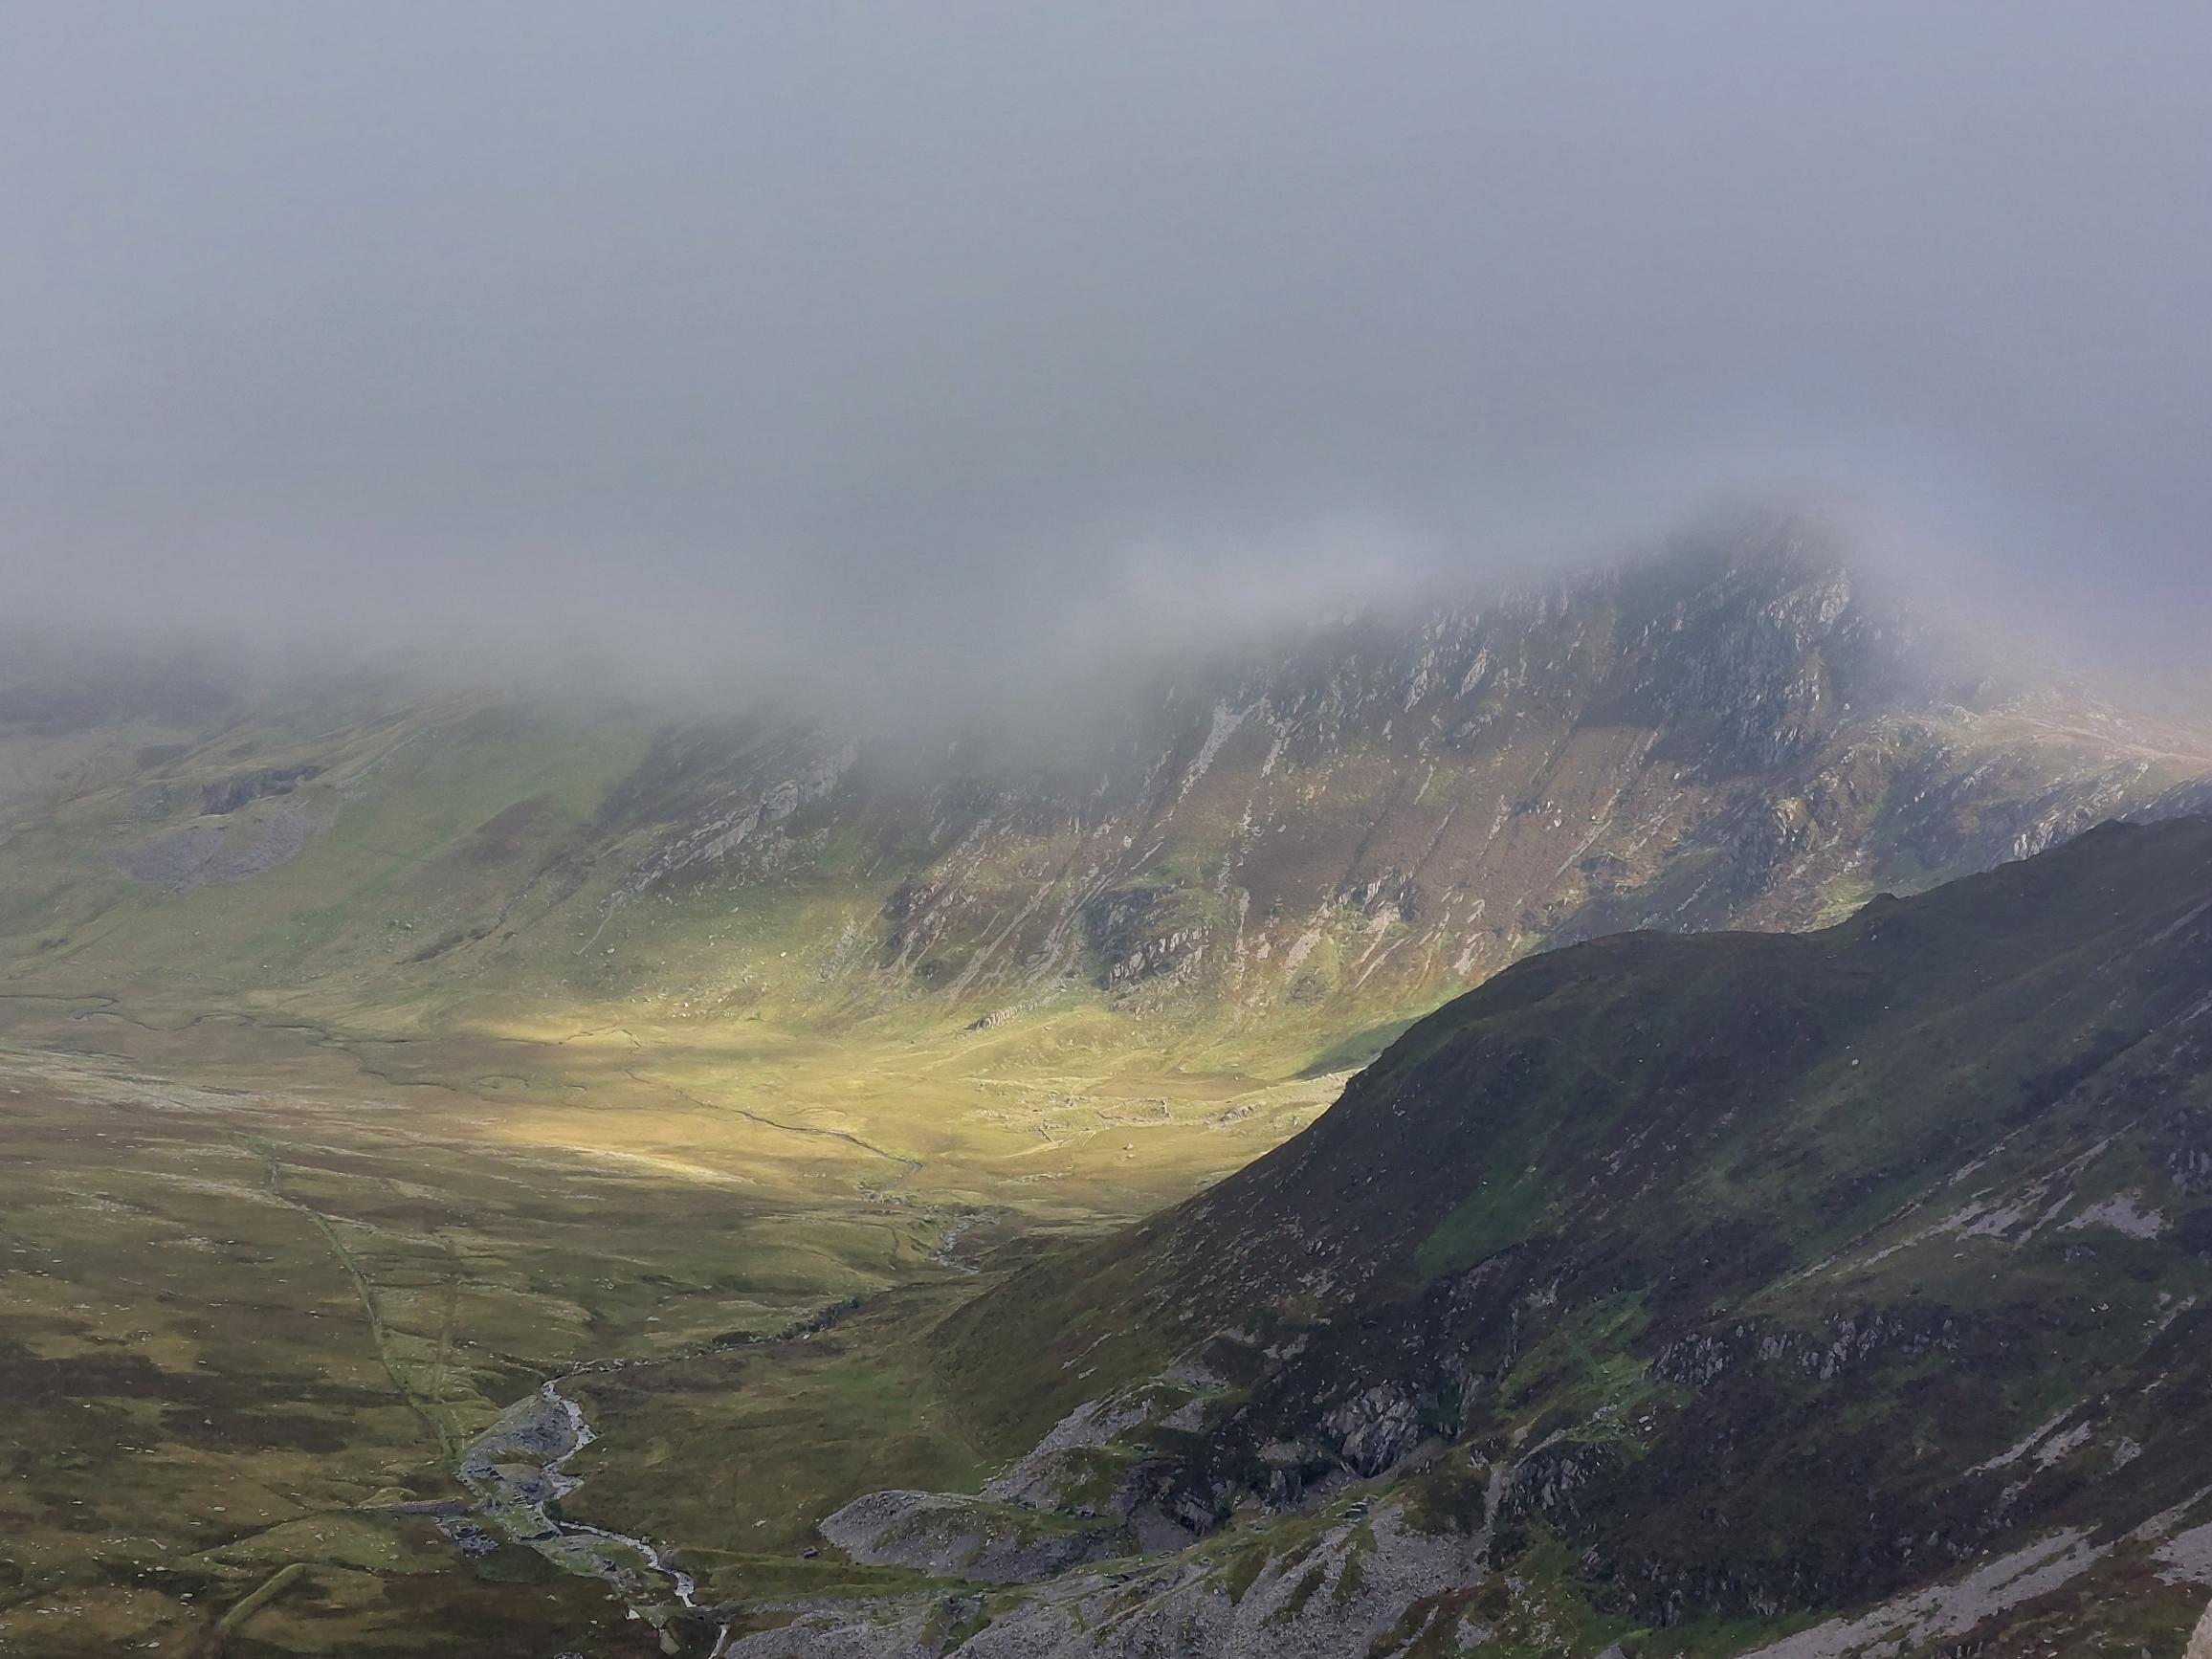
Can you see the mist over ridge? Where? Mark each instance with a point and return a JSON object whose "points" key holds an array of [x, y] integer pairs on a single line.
{"points": [[1084, 672], [901, 354]]}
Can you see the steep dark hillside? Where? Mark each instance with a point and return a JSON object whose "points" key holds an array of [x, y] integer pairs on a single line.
{"points": [[1678, 1290]]}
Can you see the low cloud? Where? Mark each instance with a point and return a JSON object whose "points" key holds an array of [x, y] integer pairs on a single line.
{"points": [[915, 348]]}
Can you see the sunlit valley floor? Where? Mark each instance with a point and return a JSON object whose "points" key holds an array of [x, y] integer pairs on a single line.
{"points": [[268, 1282]]}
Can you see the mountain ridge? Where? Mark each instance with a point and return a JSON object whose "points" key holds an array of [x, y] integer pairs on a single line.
{"points": [[1608, 1281], [1310, 842]]}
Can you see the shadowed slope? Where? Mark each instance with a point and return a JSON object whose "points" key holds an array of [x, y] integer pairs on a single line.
{"points": [[1713, 1278]]}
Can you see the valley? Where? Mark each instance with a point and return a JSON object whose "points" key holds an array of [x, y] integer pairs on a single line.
{"points": [[502, 1174], [256, 1318]]}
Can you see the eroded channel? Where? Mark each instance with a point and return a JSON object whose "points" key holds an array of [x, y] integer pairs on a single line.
{"points": [[517, 1472]]}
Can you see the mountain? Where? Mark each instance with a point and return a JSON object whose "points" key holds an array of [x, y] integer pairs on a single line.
{"points": [[588, 1137], [1806, 1295], [1285, 849]]}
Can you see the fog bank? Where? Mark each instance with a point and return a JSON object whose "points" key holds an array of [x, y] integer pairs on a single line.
{"points": [[915, 350]]}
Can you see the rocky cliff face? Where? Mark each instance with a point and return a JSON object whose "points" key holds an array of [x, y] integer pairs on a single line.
{"points": [[1384, 812], [1673, 1292], [1340, 829], [1734, 735]]}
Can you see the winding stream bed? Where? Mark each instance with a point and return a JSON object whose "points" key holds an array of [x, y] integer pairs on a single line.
{"points": [[518, 1469]]}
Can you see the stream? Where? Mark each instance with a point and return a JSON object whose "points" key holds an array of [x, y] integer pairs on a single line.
{"points": [[518, 1469]]}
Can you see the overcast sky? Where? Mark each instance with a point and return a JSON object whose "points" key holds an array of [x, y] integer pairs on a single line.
{"points": [[911, 335]]}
